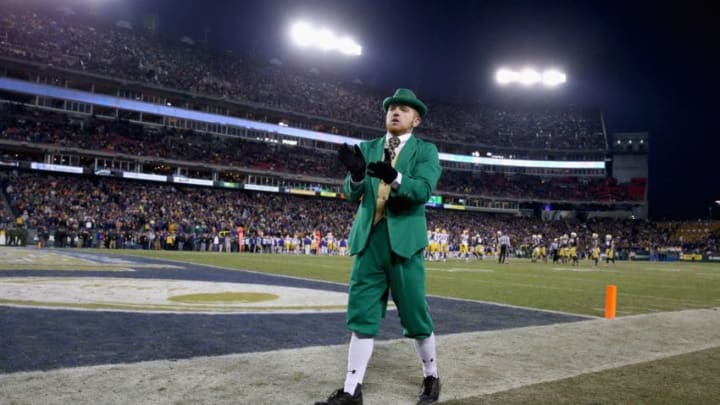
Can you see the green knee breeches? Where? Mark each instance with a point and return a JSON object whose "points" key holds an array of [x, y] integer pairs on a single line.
{"points": [[378, 272]]}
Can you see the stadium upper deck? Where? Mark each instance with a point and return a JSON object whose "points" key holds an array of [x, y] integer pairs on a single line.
{"points": [[305, 99], [32, 135], [60, 50]]}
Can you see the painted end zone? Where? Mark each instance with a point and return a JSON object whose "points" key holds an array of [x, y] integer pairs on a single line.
{"points": [[44, 338]]}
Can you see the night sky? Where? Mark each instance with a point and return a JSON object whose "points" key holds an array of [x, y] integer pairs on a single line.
{"points": [[649, 66]]}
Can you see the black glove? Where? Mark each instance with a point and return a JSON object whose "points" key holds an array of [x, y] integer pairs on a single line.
{"points": [[382, 170], [353, 160]]}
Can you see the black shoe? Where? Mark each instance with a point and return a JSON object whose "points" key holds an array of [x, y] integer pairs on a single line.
{"points": [[430, 391], [340, 397]]}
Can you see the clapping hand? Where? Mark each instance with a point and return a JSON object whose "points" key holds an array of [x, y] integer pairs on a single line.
{"points": [[382, 170], [353, 160]]}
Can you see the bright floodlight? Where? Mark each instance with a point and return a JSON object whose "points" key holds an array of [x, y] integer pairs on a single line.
{"points": [[530, 77], [305, 35], [553, 77], [504, 76]]}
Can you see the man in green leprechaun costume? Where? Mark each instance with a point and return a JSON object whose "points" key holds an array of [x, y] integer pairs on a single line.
{"points": [[387, 238]]}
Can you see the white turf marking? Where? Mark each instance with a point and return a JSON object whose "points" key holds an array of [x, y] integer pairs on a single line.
{"points": [[571, 269], [584, 269], [154, 295], [470, 364], [17, 257], [664, 269], [455, 270], [460, 269]]}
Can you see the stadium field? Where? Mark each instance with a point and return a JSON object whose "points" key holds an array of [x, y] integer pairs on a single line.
{"points": [[643, 287], [92, 326]]}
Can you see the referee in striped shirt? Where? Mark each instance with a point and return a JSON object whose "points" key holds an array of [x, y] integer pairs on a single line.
{"points": [[504, 242]]}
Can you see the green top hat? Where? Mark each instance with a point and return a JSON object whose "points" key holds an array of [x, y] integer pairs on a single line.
{"points": [[408, 98]]}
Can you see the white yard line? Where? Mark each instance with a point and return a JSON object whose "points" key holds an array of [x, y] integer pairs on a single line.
{"points": [[470, 364]]}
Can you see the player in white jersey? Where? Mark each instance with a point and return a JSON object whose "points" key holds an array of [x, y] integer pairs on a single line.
{"points": [[609, 249], [444, 244], [330, 242], [464, 251], [595, 249], [535, 243], [287, 244], [564, 253], [437, 237], [573, 244]]}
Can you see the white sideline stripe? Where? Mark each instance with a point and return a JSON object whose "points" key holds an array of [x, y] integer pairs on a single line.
{"points": [[502, 304], [470, 364], [190, 264]]}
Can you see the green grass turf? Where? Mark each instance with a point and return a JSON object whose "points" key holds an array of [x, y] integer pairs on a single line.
{"points": [[692, 378], [643, 287], [230, 297]]}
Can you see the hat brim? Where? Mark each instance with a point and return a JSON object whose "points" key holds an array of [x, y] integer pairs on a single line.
{"points": [[416, 104]]}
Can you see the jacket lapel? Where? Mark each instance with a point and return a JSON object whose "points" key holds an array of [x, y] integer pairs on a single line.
{"points": [[375, 153], [404, 158]]}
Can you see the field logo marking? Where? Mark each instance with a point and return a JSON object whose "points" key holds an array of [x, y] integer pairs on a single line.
{"points": [[165, 296]]}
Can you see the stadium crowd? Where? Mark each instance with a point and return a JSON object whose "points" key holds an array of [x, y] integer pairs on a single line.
{"points": [[81, 207], [115, 213], [109, 212], [121, 137], [68, 41]]}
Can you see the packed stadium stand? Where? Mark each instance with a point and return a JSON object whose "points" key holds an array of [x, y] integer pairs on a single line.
{"points": [[41, 134], [66, 42]]}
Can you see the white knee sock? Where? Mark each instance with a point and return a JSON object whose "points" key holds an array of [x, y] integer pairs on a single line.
{"points": [[425, 349], [359, 354]]}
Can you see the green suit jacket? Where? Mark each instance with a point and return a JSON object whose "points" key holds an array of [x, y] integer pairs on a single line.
{"points": [[419, 164]]}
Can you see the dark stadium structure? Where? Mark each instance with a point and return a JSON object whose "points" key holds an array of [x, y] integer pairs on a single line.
{"points": [[92, 117]]}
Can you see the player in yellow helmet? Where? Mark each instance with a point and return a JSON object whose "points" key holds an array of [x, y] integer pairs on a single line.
{"points": [[609, 249], [595, 249], [464, 251]]}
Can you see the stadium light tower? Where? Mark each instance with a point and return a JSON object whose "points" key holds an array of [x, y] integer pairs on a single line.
{"points": [[710, 208], [307, 36], [529, 76]]}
